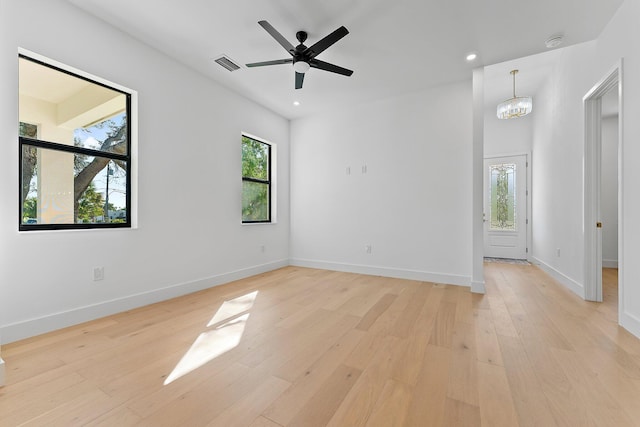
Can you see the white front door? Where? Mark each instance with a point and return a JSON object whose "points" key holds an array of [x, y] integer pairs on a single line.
{"points": [[505, 207]]}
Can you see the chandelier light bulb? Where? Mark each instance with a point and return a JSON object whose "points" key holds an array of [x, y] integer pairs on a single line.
{"points": [[515, 107]]}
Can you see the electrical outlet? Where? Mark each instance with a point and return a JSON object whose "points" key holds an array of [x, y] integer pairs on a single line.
{"points": [[558, 252], [98, 274], [263, 248], [367, 249], [348, 170], [364, 169]]}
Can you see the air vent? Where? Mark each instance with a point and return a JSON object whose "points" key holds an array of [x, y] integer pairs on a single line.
{"points": [[227, 63]]}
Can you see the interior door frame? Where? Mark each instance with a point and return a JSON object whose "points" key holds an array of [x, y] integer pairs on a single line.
{"points": [[527, 156], [592, 102]]}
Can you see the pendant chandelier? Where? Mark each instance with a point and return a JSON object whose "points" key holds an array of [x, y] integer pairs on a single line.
{"points": [[515, 107]]}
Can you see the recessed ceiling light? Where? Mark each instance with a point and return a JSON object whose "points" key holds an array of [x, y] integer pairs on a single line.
{"points": [[472, 56], [296, 103], [553, 41]]}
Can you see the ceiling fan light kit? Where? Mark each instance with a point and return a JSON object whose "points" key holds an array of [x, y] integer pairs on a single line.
{"points": [[301, 66], [303, 58], [515, 107]]}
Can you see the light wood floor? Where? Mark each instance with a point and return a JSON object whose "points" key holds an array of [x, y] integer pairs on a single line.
{"points": [[313, 348]]}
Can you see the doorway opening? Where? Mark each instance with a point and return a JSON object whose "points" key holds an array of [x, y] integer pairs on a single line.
{"points": [[506, 204], [603, 188]]}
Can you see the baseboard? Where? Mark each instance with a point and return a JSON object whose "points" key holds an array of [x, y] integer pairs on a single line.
{"points": [[32, 327], [568, 282], [610, 263], [2, 373], [630, 322], [423, 276], [478, 287]]}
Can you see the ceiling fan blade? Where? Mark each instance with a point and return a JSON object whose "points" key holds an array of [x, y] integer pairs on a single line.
{"points": [[321, 45], [316, 63], [299, 80], [276, 35], [275, 62]]}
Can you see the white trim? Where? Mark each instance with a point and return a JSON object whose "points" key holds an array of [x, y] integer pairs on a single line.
{"points": [[273, 180], [424, 276], [476, 281], [133, 130], [630, 322], [566, 281], [2, 373], [31, 327], [592, 102], [478, 287], [610, 263], [529, 206]]}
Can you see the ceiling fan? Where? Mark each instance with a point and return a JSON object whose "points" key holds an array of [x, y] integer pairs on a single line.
{"points": [[304, 57]]}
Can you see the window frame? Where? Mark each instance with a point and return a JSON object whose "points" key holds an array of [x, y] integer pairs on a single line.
{"points": [[56, 146], [268, 181]]}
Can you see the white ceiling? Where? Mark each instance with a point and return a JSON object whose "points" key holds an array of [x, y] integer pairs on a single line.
{"points": [[394, 47]]}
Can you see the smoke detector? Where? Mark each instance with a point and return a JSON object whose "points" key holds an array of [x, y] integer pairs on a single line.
{"points": [[554, 41]]}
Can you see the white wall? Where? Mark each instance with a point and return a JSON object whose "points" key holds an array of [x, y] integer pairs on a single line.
{"points": [[558, 149], [621, 39], [557, 165], [507, 136], [190, 234], [609, 185], [413, 204]]}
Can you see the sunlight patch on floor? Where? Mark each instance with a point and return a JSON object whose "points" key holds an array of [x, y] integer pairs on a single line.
{"points": [[233, 308], [213, 343]]}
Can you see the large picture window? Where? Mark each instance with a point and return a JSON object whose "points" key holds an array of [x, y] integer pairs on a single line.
{"points": [[75, 150], [256, 180]]}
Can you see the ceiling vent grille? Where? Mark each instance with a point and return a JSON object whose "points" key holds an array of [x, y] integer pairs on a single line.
{"points": [[227, 63]]}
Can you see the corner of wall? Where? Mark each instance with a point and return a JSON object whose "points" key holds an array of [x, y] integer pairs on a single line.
{"points": [[566, 281], [478, 287], [396, 273], [630, 322]]}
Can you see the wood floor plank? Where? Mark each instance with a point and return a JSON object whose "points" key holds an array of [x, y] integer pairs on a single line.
{"points": [[120, 416], [464, 308], [442, 332], [598, 403], [307, 350], [376, 311], [321, 407], [247, 409], [461, 414], [430, 392], [360, 402], [530, 402], [392, 405], [501, 318], [315, 347], [405, 323], [463, 373], [36, 408], [77, 411], [496, 405], [487, 346], [184, 394], [303, 388], [264, 422]]}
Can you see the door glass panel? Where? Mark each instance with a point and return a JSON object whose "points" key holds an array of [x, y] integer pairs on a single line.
{"points": [[503, 196]]}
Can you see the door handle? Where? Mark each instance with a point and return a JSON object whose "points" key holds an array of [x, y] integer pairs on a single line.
{"points": [[598, 224]]}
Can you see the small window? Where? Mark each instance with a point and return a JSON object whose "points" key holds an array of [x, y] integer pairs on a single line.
{"points": [[256, 180], [75, 150]]}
